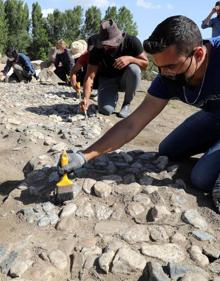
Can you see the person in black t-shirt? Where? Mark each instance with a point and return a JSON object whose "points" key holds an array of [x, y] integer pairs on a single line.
{"points": [[119, 58], [63, 61]]}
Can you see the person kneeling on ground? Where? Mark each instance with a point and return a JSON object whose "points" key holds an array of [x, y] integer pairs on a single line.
{"points": [[188, 71], [81, 55], [119, 58], [63, 61], [21, 64]]}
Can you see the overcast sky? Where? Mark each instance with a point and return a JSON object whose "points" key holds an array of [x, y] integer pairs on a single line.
{"points": [[147, 14]]}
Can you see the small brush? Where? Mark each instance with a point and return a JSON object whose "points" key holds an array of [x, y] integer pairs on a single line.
{"points": [[64, 188]]}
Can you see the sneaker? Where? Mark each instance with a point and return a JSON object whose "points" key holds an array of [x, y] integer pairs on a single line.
{"points": [[125, 111]]}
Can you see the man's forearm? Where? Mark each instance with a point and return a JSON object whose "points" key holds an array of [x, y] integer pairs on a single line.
{"points": [[207, 20], [122, 134], [88, 87], [141, 62]]}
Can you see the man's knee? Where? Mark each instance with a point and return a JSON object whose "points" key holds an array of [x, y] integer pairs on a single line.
{"points": [[201, 181], [106, 109], [164, 149], [134, 70]]}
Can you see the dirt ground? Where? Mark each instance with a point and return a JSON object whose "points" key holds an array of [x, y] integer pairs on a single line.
{"points": [[14, 157]]}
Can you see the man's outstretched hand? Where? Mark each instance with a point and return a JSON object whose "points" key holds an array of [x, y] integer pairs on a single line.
{"points": [[76, 160]]}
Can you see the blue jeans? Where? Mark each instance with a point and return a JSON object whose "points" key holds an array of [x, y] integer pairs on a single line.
{"points": [[109, 87], [200, 133]]}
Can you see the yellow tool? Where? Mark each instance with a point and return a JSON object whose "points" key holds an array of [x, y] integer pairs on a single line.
{"points": [[64, 188]]}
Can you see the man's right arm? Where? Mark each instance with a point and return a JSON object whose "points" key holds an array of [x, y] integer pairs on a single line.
{"points": [[87, 85], [126, 129], [121, 133], [7, 67], [206, 21], [73, 77]]}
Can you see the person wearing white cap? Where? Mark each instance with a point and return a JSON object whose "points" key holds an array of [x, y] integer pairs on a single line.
{"points": [[80, 51], [80, 55]]}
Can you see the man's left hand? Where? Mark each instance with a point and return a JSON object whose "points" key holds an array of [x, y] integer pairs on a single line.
{"points": [[122, 62]]}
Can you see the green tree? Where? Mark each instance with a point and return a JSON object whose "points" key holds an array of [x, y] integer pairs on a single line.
{"points": [[151, 72], [17, 16], [111, 13], [3, 28], [92, 21], [125, 21], [72, 24], [56, 26], [40, 44]]}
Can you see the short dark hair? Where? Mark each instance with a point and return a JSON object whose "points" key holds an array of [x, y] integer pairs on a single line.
{"points": [[217, 3], [11, 52], [176, 30]]}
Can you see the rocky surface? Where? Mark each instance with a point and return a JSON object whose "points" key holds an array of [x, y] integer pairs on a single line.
{"points": [[133, 217]]}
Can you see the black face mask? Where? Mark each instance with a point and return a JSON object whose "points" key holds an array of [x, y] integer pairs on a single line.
{"points": [[179, 78]]}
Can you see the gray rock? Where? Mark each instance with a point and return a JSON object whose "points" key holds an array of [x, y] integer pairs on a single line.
{"points": [[8, 262], [58, 259], [53, 218], [110, 227], [194, 218], [85, 211], [111, 179], [91, 251], [156, 198], [119, 213], [158, 233], [177, 270], [146, 180], [136, 234], [78, 261], [150, 189], [76, 190], [178, 238], [132, 189], [44, 221], [68, 224], [127, 261], [88, 184], [167, 252], [90, 262], [102, 189], [135, 209], [147, 155], [155, 272], [102, 212], [158, 213], [215, 267], [202, 236], [19, 268], [68, 210], [197, 256], [128, 179], [105, 260], [211, 250], [2, 251], [142, 198], [193, 276], [161, 162]]}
